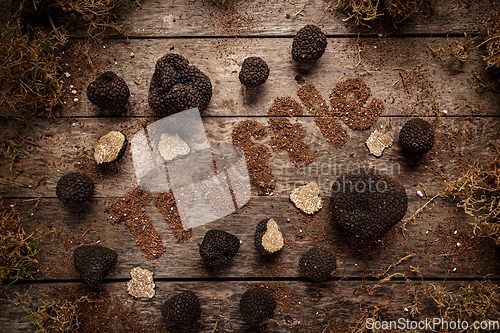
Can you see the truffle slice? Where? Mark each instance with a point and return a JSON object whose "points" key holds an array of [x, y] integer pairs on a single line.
{"points": [[368, 204], [142, 284], [309, 44], [318, 264], [416, 136], [268, 237], [306, 198], [75, 188], [110, 148], [256, 305], [108, 91], [171, 146], [254, 72], [218, 247], [377, 142], [182, 309], [93, 262]]}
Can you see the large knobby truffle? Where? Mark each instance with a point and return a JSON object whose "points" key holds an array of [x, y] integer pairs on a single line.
{"points": [[93, 262], [110, 147], [75, 188], [256, 305], [268, 237], [177, 86], [182, 310], [108, 91], [142, 284], [416, 136], [318, 264], [309, 44], [306, 198], [218, 247], [254, 72], [368, 204]]}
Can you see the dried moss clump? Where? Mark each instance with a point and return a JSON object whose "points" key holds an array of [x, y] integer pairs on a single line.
{"points": [[17, 249], [29, 72], [368, 10], [492, 57]]}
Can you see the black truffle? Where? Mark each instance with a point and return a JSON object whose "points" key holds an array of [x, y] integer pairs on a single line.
{"points": [[177, 86], [93, 262], [182, 309], [268, 238], [75, 188], [318, 264], [218, 247], [416, 136], [368, 204], [108, 91], [254, 72], [256, 305], [309, 44]]}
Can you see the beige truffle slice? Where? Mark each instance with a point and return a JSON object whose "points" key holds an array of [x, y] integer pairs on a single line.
{"points": [[377, 142], [142, 284], [171, 146], [108, 147], [306, 198], [272, 241]]}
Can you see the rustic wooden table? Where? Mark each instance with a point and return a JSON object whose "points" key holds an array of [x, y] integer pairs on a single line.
{"points": [[401, 71]]}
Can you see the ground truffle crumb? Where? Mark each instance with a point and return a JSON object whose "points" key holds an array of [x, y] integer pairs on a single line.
{"points": [[313, 100], [142, 284], [377, 142], [285, 106], [306, 198], [268, 237], [171, 146], [332, 130], [110, 147]]}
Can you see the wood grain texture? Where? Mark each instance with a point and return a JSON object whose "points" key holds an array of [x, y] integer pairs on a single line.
{"points": [[429, 82]]}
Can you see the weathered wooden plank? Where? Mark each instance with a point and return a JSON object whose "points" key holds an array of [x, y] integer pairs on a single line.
{"points": [[428, 83], [301, 306]]}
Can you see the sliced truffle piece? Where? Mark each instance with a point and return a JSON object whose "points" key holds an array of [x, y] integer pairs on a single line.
{"points": [[182, 310], [368, 204], [309, 44], [108, 91], [93, 262], [306, 198], [142, 284], [110, 148], [254, 72], [171, 146], [268, 237], [377, 142], [318, 264], [218, 247], [416, 136], [75, 188], [177, 86], [256, 305]]}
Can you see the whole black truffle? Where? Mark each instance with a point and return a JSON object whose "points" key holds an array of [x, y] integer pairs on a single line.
{"points": [[309, 44], [108, 91], [75, 188], [256, 305], [318, 264], [416, 136], [182, 309], [254, 72], [368, 204], [268, 238], [177, 86], [218, 247], [93, 262]]}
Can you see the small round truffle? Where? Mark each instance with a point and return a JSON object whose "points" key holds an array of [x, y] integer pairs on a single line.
{"points": [[256, 305], [108, 91], [416, 136], [368, 204], [218, 247], [268, 237], [318, 264], [309, 44], [254, 72], [177, 86], [182, 310], [93, 262], [75, 188], [110, 148]]}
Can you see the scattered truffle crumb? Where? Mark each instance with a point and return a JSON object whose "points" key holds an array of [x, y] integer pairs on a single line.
{"points": [[306, 198]]}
